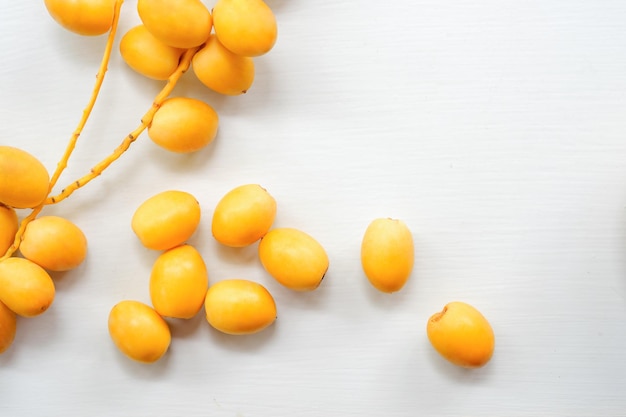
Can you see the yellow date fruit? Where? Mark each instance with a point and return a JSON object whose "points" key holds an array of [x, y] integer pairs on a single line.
{"points": [[8, 227], [25, 287], [221, 70], [54, 243], [138, 331], [177, 23], [245, 27], [293, 258], [84, 17], [178, 282], [147, 55], [23, 179], [462, 335], [243, 215], [239, 306], [166, 219], [183, 125], [387, 254], [8, 326]]}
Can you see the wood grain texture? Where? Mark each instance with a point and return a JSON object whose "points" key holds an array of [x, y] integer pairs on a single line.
{"points": [[494, 128]]}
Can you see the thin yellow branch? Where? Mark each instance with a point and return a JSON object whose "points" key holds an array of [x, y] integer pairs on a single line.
{"points": [[146, 120], [94, 95]]}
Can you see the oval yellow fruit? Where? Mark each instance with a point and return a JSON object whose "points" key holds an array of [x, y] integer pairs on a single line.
{"points": [[243, 215], [178, 282], [8, 326], [238, 306], [25, 287], [293, 258], [221, 70], [24, 181], [138, 331], [54, 243], [147, 55], [8, 227], [183, 125], [387, 254], [462, 335], [84, 17], [245, 27], [166, 219], [177, 23]]}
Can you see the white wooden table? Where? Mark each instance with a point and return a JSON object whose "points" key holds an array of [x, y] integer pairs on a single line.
{"points": [[495, 128]]}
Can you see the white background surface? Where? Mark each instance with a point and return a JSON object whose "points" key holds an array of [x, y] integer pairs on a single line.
{"points": [[494, 128]]}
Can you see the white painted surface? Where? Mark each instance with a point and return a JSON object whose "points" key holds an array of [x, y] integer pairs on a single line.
{"points": [[494, 128]]}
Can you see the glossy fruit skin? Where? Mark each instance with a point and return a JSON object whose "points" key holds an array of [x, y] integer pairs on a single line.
{"points": [[166, 219], [8, 227], [221, 70], [54, 243], [245, 27], [83, 17], [147, 55], [462, 335], [8, 327], [25, 287], [24, 181], [238, 307], [178, 23], [178, 282], [294, 258], [184, 125], [243, 215], [387, 254], [138, 331]]}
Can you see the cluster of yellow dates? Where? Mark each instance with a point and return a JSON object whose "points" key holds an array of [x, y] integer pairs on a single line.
{"points": [[220, 45], [48, 244], [224, 42], [179, 283]]}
